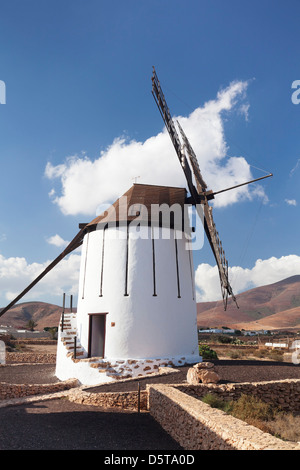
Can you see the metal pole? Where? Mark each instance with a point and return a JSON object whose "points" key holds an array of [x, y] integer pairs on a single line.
{"points": [[63, 313], [75, 345], [243, 184], [71, 303], [139, 397]]}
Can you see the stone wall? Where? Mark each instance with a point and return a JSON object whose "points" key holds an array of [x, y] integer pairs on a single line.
{"points": [[30, 358], [9, 391], [197, 426], [282, 393], [125, 400]]}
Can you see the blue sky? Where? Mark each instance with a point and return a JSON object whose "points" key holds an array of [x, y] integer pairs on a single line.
{"points": [[78, 78]]}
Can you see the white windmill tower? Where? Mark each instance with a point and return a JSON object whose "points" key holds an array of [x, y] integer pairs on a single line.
{"points": [[136, 299]]}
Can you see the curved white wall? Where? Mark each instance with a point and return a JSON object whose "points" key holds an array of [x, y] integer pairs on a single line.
{"points": [[140, 324]]}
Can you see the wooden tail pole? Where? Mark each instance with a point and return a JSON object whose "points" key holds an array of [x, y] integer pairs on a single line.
{"points": [[242, 184], [75, 243]]}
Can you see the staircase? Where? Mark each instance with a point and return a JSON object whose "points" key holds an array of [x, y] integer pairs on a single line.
{"points": [[71, 349], [68, 336]]}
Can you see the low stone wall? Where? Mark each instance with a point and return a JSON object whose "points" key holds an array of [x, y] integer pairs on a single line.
{"points": [[30, 358], [197, 426], [282, 393], [33, 341], [125, 400], [9, 391]]}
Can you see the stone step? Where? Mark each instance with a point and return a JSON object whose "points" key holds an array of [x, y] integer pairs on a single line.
{"points": [[99, 365], [71, 347], [78, 353]]}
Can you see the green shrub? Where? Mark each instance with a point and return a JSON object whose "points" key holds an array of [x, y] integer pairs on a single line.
{"points": [[224, 339], [206, 352], [215, 402]]}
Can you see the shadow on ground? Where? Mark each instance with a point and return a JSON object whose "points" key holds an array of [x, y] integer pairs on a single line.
{"points": [[62, 425]]}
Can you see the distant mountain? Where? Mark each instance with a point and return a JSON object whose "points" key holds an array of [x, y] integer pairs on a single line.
{"points": [[273, 306], [42, 313]]}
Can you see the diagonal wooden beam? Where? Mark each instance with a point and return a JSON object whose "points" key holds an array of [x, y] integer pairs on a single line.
{"points": [[75, 243]]}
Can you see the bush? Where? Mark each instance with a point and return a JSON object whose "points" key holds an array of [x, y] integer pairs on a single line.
{"points": [[260, 414], [206, 352], [250, 408], [286, 426], [273, 354], [276, 355], [234, 354], [224, 339], [215, 402]]}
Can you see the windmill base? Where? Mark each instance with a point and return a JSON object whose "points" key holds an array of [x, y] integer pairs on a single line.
{"points": [[94, 371], [72, 360]]}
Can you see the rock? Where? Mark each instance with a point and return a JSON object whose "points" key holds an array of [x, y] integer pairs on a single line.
{"points": [[208, 376], [192, 376], [204, 365], [202, 372]]}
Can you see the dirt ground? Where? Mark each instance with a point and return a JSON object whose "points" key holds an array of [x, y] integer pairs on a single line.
{"points": [[41, 348]]}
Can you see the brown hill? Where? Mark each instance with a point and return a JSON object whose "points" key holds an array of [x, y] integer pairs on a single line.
{"points": [[273, 306], [283, 320], [42, 313]]}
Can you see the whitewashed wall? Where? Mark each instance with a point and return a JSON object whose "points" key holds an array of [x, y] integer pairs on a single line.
{"points": [[145, 326]]}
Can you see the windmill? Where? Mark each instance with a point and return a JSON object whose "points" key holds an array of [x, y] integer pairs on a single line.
{"points": [[136, 306], [199, 196]]}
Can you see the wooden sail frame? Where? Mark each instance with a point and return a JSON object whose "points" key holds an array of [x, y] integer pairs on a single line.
{"points": [[199, 194]]}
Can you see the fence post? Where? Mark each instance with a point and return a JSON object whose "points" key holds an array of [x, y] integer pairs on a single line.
{"points": [[63, 313], [139, 397]]}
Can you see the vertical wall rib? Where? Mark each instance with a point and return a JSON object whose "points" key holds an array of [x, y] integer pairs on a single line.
{"points": [[153, 264], [126, 265], [177, 266], [85, 263], [102, 264]]}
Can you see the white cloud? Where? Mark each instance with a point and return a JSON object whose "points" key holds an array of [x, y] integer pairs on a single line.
{"points": [[263, 272], [57, 240], [16, 274], [86, 183], [291, 202], [295, 167]]}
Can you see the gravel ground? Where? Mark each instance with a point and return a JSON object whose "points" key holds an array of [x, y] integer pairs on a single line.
{"points": [[62, 425], [28, 374], [228, 370]]}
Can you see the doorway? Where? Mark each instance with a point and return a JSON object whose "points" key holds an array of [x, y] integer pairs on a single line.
{"points": [[97, 323]]}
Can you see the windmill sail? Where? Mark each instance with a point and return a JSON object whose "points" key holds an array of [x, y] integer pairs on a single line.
{"points": [[198, 193], [209, 225], [75, 243]]}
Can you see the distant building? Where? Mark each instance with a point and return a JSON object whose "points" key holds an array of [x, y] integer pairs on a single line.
{"points": [[218, 331]]}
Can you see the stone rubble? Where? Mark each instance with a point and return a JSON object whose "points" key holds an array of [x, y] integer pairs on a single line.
{"points": [[202, 372]]}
